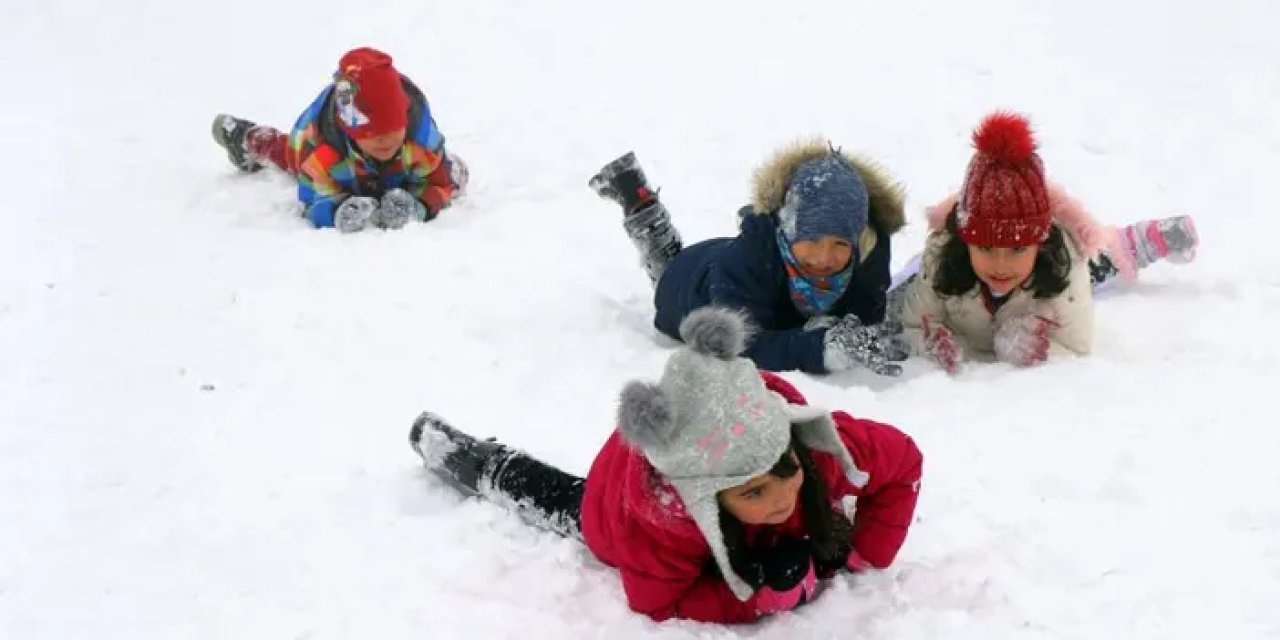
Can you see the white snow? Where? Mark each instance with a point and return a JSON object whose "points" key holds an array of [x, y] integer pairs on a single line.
{"points": [[204, 403]]}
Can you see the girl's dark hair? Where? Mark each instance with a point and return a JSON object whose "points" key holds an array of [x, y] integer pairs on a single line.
{"points": [[829, 530], [1049, 276]]}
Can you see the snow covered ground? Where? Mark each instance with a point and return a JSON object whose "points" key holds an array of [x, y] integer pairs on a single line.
{"points": [[204, 403]]}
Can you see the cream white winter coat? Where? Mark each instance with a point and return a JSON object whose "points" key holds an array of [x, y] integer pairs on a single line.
{"points": [[968, 317]]}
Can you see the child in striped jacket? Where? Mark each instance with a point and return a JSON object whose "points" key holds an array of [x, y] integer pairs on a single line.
{"points": [[366, 152]]}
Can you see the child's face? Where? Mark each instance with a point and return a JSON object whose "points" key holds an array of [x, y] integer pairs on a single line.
{"points": [[822, 257], [382, 147], [764, 499], [1003, 269]]}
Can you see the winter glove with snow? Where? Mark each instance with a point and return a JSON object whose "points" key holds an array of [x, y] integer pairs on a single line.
{"points": [[784, 576], [847, 559], [828, 568], [354, 213], [397, 208], [850, 342], [941, 345], [1023, 341]]}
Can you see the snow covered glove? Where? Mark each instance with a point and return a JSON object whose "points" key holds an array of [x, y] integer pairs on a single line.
{"points": [[941, 345], [850, 342], [786, 576], [1024, 341], [354, 213], [397, 208]]}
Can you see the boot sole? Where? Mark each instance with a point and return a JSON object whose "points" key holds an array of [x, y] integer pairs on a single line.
{"points": [[219, 132]]}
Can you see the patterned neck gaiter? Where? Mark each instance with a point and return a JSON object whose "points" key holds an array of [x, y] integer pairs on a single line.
{"points": [[813, 295]]}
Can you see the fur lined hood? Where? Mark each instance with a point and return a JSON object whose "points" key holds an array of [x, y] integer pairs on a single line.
{"points": [[770, 182]]}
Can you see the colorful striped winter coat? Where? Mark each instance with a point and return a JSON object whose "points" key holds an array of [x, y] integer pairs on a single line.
{"points": [[330, 167]]}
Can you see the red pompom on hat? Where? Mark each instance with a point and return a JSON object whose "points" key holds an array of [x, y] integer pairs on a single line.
{"points": [[369, 99], [1003, 202]]}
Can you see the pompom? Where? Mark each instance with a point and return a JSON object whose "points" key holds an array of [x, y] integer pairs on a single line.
{"points": [[1005, 136], [715, 331], [645, 415]]}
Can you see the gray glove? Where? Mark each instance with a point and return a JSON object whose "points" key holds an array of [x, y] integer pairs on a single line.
{"points": [[354, 213], [850, 342], [397, 207]]}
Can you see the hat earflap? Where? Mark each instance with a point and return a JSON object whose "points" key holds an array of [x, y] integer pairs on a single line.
{"points": [[706, 514], [817, 430]]}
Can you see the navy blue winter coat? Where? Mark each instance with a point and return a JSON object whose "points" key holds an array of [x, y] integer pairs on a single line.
{"points": [[746, 272]]}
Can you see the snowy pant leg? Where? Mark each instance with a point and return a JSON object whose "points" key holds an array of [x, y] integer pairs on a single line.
{"points": [[537, 491], [1174, 239], [1137, 246], [268, 144], [655, 238], [898, 288]]}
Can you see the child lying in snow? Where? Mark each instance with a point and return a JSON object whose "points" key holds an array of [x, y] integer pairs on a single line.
{"points": [[1011, 261], [721, 497], [366, 151], [810, 263]]}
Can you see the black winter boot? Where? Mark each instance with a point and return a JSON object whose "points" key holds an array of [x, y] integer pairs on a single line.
{"points": [[456, 457], [645, 218], [229, 132], [623, 181], [655, 238]]}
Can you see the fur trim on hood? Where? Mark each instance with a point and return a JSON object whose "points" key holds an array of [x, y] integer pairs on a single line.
{"points": [[770, 182], [1089, 236]]}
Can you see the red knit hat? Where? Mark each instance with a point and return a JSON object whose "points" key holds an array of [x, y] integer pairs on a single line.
{"points": [[368, 97], [1003, 202]]}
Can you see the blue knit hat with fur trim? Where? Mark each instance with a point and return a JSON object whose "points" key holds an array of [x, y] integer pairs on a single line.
{"points": [[826, 197]]}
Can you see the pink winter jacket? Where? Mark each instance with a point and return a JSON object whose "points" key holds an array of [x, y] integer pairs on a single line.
{"points": [[633, 520], [968, 316]]}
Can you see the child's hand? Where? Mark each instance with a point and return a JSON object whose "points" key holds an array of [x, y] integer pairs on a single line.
{"points": [[875, 347], [1024, 341], [941, 345], [397, 208], [788, 576], [354, 213], [856, 563]]}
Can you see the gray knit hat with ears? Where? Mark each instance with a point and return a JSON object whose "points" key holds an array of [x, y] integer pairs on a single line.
{"points": [[710, 424]]}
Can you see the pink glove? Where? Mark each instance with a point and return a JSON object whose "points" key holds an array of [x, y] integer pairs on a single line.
{"points": [[856, 563], [770, 601], [941, 345], [1024, 341]]}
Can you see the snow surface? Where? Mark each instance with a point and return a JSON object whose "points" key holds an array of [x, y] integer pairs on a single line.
{"points": [[204, 403]]}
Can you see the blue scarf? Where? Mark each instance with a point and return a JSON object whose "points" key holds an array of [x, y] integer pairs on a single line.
{"points": [[813, 295]]}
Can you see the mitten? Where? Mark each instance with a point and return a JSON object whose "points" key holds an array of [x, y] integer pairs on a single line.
{"points": [[856, 562], [941, 345], [850, 342], [397, 208], [354, 213], [787, 576], [1023, 341]]}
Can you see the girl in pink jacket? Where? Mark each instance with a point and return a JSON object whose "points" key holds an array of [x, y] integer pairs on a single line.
{"points": [[1011, 262], [721, 497]]}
